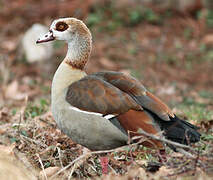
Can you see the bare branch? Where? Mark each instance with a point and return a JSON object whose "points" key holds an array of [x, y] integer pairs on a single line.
{"points": [[163, 140]]}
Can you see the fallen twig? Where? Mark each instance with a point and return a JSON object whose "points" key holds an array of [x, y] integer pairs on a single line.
{"points": [[42, 166], [70, 164], [163, 140]]}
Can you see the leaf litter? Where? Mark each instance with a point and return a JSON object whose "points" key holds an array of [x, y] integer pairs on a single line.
{"points": [[29, 133]]}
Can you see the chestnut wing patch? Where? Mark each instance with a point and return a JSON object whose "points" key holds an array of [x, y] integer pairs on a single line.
{"points": [[138, 92], [96, 95]]}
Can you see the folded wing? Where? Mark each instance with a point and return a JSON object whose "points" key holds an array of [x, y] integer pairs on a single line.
{"points": [[138, 92], [93, 94]]}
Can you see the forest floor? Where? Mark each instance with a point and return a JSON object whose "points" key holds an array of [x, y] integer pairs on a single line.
{"points": [[170, 53]]}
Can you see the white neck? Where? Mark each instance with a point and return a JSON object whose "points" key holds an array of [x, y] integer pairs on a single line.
{"points": [[75, 47], [79, 51]]}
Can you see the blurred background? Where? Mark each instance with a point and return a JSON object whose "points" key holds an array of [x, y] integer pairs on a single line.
{"points": [[166, 44]]}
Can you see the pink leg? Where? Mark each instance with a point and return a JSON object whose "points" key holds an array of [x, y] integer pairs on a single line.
{"points": [[104, 164]]}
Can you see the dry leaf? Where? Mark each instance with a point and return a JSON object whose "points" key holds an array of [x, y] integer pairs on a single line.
{"points": [[208, 39], [164, 171], [142, 162], [176, 154], [12, 92], [7, 149], [12, 169], [50, 171], [125, 71], [4, 128], [166, 90], [11, 89], [108, 64], [4, 114], [9, 45]]}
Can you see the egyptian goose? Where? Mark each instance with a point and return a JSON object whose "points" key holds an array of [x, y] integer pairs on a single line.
{"points": [[98, 110]]}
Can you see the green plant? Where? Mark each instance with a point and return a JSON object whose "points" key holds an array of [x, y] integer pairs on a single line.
{"points": [[195, 111], [206, 94], [207, 137], [93, 19], [188, 32], [151, 16], [209, 18], [144, 14], [135, 17], [13, 111], [36, 110]]}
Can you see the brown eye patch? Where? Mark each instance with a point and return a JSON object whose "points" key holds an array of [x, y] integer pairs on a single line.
{"points": [[61, 26]]}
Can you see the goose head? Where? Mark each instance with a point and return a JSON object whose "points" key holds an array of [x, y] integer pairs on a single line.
{"points": [[76, 34], [67, 29]]}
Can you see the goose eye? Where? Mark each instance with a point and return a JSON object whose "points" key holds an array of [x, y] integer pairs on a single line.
{"points": [[61, 26]]}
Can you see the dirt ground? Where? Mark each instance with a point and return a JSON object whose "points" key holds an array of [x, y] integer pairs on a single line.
{"points": [[170, 52]]}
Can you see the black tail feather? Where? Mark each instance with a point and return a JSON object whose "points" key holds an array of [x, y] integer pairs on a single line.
{"points": [[178, 130]]}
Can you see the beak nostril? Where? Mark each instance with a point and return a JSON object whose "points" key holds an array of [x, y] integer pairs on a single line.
{"points": [[46, 37]]}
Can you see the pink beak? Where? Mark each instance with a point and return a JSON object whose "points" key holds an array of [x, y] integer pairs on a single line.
{"points": [[47, 37]]}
